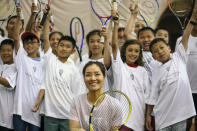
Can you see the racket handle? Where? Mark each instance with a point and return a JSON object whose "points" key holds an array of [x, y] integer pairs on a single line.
{"points": [[35, 2], [102, 40], [44, 18], [115, 8], [20, 13]]}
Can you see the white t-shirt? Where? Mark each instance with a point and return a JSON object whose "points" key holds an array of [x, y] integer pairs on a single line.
{"points": [[7, 95], [29, 80], [133, 82], [192, 61], [104, 116], [171, 93], [109, 76], [150, 65], [62, 82]]}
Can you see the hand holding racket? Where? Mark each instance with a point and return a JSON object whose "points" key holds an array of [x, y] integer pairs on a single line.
{"points": [[104, 14]]}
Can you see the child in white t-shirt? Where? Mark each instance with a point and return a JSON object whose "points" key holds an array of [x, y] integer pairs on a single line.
{"points": [[31, 72], [61, 84], [130, 77], [8, 75], [171, 98]]}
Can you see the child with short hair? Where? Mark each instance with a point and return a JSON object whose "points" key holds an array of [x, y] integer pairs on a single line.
{"points": [[30, 67], [62, 82], [161, 32], [8, 75], [171, 98]]}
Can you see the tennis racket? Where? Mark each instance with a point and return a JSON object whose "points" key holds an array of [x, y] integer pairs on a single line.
{"points": [[182, 10], [102, 9], [7, 9], [148, 10], [110, 111], [77, 32]]}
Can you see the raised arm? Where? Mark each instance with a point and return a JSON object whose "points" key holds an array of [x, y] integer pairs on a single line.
{"points": [[31, 22], [16, 34], [115, 36], [131, 22], [107, 53], [45, 34], [189, 27]]}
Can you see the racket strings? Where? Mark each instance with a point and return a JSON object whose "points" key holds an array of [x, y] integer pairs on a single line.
{"points": [[149, 10], [102, 8], [179, 8], [111, 111]]}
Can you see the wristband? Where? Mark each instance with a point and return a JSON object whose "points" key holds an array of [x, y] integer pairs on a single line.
{"points": [[193, 23]]}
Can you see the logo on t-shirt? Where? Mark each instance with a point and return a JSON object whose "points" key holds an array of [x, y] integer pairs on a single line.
{"points": [[61, 72], [34, 68]]}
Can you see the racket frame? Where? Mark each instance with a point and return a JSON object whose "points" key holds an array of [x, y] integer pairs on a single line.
{"points": [[151, 21], [177, 16], [103, 94], [79, 49]]}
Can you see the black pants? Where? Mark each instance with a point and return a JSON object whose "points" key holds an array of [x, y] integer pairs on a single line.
{"points": [[5, 129]]}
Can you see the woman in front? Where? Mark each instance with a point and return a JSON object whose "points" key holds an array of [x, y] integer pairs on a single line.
{"points": [[104, 119]]}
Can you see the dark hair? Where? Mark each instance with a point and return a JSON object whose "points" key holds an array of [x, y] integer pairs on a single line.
{"points": [[91, 33], [153, 42], [15, 17], [7, 42], [30, 37], [55, 32], [99, 64], [123, 51], [145, 29], [121, 29], [2, 32], [68, 38], [162, 28]]}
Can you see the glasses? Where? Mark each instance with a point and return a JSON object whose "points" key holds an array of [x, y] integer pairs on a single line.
{"points": [[30, 41]]}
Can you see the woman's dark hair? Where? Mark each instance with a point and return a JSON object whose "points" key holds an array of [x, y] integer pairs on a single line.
{"points": [[123, 51], [91, 33], [7, 42], [99, 64], [55, 32], [156, 41]]}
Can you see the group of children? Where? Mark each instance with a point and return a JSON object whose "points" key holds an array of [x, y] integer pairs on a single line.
{"points": [[44, 81]]}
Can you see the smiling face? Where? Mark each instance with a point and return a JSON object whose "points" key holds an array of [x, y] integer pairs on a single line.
{"points": [[161, 52], [132, 54], [145, 37], [54, 42], [64, 49], [6, 53], [94, 78], [31, 46], [10, 27], [139, 25], [162, 34], [95, 46]]}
